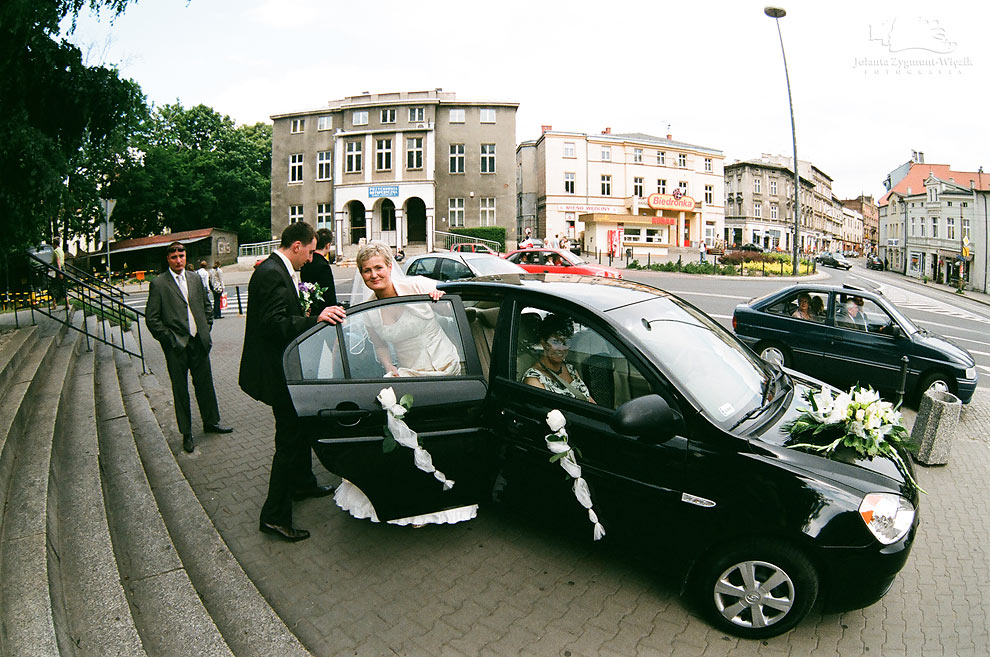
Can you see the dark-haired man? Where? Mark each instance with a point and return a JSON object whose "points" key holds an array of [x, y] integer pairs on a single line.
{"points": [[275, 318], [318, 271], [179, 315]]}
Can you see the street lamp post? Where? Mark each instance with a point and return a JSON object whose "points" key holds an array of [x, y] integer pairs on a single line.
{"points": [[776, 13]]}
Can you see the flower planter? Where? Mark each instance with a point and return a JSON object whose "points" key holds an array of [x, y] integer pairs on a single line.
{"points": [[934, 427]]}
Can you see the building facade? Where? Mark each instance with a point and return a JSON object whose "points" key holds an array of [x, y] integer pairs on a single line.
{"points": [[618, 192], [395, 167], [867, 208]]}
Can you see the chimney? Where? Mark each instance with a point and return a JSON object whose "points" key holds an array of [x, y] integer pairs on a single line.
{"points": [[607, 131], [545, 128], [669, 136], [921, 157]]}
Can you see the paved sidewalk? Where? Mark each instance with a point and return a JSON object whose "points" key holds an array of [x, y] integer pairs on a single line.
{"points": [[499, 585]]}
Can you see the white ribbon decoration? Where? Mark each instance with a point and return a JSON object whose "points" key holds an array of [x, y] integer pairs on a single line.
{"points": [[407, 437], [556, 422]]}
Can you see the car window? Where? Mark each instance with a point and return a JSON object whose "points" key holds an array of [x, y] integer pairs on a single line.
{"points": [[565, 357], [452, 270], [855, 312], [801, 304], [405, 339], [422, 267]]}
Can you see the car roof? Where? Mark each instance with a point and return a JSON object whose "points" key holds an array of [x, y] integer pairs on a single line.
{"points": [[822, 287], [598, 292]]}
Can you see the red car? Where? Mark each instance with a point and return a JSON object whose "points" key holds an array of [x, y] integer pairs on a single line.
{"points": [[473, 247], [555, 261]]}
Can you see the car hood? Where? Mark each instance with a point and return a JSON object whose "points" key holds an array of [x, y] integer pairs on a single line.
{"points": [[953, 351], [845, 466]]}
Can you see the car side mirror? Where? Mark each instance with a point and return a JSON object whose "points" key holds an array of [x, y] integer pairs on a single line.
{"points": [[648, 417], [895, 331]]}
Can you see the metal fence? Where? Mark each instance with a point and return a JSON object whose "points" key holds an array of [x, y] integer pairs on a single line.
{"points": [[257, 249], [446, 241]]}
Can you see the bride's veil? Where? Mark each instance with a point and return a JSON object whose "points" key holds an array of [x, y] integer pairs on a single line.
{"points": [[359, 291]]}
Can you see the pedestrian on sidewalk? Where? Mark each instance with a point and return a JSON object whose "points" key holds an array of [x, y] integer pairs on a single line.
{"points": [[702, 250], [216, 287], [274, 318], [179, 315]]}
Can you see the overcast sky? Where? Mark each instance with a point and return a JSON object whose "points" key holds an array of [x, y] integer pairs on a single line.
{"points": [[872, 81]]}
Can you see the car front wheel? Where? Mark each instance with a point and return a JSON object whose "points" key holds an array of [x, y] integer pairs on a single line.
{"points": [[757, 589], [936, 381], [774, 353]]}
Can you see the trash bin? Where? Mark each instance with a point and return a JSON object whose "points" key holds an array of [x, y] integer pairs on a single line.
{"points": [[938, 415]]}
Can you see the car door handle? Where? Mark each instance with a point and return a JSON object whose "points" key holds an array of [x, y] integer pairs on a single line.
{"points": [[344, 416], [519, 422]]}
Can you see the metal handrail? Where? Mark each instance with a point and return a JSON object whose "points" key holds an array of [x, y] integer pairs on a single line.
{"points": [[47, 284], [95, 281], [257, 248], [446, 241]]}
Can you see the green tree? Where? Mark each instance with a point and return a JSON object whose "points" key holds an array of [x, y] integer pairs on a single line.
{"points": [[60, 120]]}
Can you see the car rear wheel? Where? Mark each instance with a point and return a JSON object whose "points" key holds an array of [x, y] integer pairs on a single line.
{"points": [[774, 353], [756, 589]]}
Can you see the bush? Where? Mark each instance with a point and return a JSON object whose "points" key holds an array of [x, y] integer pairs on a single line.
{"points": [[494, 233]]}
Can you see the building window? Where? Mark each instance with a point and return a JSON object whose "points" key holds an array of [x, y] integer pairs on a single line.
{"points": [[683, 187], [709, 194], [388, 115], [773, 211], [383, 154], [606, 153], [912, 227], [708, 164], [324, 123], [773, 186], [323, 170], [488, 210], [296, 168], [297, 125], [934, 226], [933, 196], [682, 160], [457, 116], [414, 152], [416, 114], [950, 228], [568, 182], [457, 158], [456, 212], [606, 185], [661, 157], [758, 210], [661, 186], [637, 155], [488, 158], [569, 149], [295, 213], [965, 229], [352, 163], [638, 187], [324, 215], [359, 118], [921, 223], [487, 115], [757, 185]]}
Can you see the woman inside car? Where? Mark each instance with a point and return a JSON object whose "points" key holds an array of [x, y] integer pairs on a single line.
{"points": [[552, 371]]}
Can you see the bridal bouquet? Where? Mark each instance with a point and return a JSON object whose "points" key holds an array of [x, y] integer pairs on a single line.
{"points": [[308, 293], [859, 420]]}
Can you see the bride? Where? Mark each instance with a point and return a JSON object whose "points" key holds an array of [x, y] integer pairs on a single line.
{"points": [[421, 348]]}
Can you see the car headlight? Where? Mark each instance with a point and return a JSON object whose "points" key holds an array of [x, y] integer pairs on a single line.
{"points": [[888, 517], [971, 372]]}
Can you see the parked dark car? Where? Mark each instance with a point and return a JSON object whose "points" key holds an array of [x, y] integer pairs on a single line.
{"points": [[695, 474], [836, 260], [756, 248], [452, 266], [874, 262], [851, 336]]}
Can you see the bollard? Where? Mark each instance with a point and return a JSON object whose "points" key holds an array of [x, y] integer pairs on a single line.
{"points": [[938, 414], [240, 310]]}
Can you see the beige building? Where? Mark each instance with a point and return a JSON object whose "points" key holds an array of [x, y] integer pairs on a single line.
{"points": [[620, 191], [395, 167]]}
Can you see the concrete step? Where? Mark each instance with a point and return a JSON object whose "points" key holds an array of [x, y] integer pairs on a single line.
{"points": [[12, 355], [168, 614], [26, 619], [248, 623]]}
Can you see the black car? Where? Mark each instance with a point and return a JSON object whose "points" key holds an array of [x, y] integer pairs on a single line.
{"points": [[455, 265], [848, 335], [874, 262], [698, 475], [836, 260]]}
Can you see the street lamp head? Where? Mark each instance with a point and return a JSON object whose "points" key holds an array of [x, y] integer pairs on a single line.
{"points": [[774, 12]]}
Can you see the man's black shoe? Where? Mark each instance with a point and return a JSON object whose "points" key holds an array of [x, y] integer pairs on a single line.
{"points": [[284, 532], [315, 491], [216, 428], [187, 442]]}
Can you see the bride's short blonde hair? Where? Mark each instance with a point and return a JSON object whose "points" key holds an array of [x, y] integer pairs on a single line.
{"points": [[372, 249]]}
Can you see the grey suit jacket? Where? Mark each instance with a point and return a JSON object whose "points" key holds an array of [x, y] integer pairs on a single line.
{"points": [[166, 315]]}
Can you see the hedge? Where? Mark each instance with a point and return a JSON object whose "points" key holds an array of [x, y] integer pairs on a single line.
{"points": [[493, 233]]}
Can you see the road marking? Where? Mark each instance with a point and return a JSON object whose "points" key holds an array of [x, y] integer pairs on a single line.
{"points": [[709, 294], [903, 298], [949, 326]]}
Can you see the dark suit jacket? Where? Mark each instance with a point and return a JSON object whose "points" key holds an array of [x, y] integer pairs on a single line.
{"points": [[274, 319], [166, 315], [318, 271]]}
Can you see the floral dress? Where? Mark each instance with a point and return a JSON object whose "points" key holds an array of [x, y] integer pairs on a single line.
{"points": [[575, 389]]}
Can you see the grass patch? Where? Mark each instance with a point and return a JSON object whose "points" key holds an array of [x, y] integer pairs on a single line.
{"points": [[115, 316]]}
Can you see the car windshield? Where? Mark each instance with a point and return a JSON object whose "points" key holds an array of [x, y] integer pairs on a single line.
{"points": [[571, 258], [486, 265], [707, 364]]}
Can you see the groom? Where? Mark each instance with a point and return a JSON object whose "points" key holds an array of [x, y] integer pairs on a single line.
{"points": [[274, 319]]}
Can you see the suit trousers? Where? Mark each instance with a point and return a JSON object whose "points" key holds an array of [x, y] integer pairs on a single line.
{"points": [[194, 359], [217, 311], [292, 467]]}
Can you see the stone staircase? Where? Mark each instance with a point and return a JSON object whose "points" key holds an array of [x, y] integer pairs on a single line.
{"points": [[104, 548]]}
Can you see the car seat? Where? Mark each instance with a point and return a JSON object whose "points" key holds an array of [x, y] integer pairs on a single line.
{"points": [[528, 347]]}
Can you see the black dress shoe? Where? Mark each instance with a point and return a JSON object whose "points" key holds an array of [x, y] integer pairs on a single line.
{"points": [[315, 491], [217, 428], [187, 442], [285, 532]]}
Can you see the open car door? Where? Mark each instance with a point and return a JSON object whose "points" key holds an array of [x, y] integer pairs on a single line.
{"points": [[335, 374]]}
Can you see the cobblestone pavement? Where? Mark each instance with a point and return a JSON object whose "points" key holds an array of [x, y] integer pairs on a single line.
{"points": [[500, 585]]}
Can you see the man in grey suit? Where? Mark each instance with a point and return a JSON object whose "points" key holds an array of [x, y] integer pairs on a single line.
{"points": [[179, 315]]}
